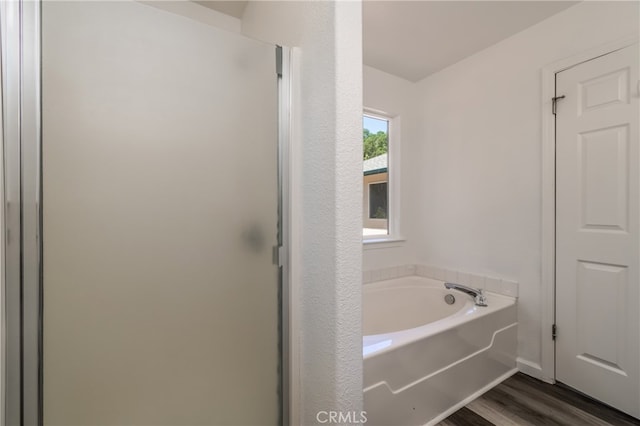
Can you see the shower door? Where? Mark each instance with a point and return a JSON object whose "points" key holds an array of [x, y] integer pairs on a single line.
{"points": [[160, 214]]}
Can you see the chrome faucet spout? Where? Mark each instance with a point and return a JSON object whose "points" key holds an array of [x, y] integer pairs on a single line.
{"points": [[478, 296]]}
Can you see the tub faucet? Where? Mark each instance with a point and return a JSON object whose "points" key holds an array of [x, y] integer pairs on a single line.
{"points": [[476, 293]]}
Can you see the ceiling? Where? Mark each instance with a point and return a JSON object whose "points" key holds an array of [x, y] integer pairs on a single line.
{"points": [[413, 39], [234, 8]]}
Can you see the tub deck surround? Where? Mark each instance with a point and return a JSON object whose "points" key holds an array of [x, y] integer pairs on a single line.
{"points": [[427, 358], [492, 283]]}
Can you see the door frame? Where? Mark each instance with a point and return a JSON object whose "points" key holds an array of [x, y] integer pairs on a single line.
{"points": [[548, 235]]}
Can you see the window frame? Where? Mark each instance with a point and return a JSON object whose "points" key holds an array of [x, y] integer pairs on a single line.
{"points": [[393, 179]]}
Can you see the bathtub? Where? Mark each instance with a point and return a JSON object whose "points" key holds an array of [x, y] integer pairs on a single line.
{"points": [[424, 358]]}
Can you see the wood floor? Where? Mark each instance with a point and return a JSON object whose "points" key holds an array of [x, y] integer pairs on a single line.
{"points": [[522, 400]]}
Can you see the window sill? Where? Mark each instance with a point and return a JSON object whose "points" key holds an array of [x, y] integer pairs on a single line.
{"points": [[383, 242]]}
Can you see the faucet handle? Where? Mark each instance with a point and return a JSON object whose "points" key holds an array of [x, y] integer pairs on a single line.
{"points": [[481, 299]]}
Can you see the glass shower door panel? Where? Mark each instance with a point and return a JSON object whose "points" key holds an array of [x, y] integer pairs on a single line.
{"points": [[159, 217]]}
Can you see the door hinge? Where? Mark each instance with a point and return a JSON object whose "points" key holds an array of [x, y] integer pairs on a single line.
{"points": [[554, 332], [554, 103]]}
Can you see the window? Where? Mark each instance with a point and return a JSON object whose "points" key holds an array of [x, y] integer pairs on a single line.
{"points": [[375, 177]]}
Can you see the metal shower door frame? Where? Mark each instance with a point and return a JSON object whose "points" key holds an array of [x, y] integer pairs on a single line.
{"points": [[22, 279]]}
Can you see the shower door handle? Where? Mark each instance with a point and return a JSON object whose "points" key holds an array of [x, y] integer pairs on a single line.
{"points": [[254, 238]]}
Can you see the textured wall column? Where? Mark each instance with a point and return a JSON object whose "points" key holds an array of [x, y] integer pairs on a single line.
{"points": [[327, 125]]}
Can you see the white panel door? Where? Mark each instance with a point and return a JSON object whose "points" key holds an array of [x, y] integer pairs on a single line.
{"points": [[597, 221], [160, 213]]}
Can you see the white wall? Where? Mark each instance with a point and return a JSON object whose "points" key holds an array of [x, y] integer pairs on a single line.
{"points": [[479, 187], [327, 250], [198, 13], [395, 97]]}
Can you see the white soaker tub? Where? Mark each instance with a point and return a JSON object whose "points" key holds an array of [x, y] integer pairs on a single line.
{"points": [[423, 358]]}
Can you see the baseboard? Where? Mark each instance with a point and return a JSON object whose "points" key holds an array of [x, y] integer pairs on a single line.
{"points": [[532, 369], [471, 397]]}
